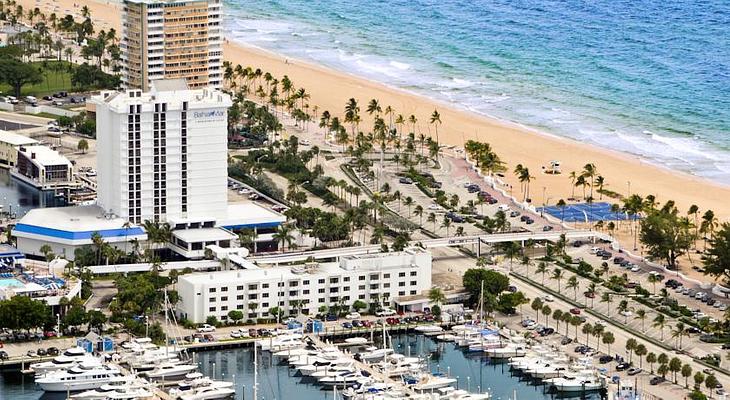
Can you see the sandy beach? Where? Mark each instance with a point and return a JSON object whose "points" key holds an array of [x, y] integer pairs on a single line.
{"points": [[515, 144]]}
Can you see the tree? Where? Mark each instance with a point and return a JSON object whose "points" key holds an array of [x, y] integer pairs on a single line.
{"points": [[675, 365], [96, 320], [542, 268], [711, 382], [508, 302], [284, 236], [660, 322], [587, 330], [699, 378], [18, 74], [609, 339], [641, 315], [666, 235], [686, 373], [235, 315], [536, 306], [75, 316], [573, 284], [651, 359], [678, 332], [717, 257], [630, 347], [493, 281], [663, 358], [641, 351], [558, 276], [83, 146], [47, 252], [436, 296], [546, 311], [212, 320], [358, 305], [662, 370]]}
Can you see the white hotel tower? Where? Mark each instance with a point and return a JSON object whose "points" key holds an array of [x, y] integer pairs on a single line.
{"points": [[163, 153]]}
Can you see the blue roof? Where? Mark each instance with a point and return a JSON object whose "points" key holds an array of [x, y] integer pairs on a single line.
{"points": [[81, 235], [586, 211]]}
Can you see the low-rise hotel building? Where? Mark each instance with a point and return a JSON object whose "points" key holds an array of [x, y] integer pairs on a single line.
{"points": [[43, 167], [372, 278], [9, 144]]}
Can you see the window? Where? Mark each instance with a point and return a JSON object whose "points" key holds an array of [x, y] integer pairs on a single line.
{"points": [[211, 290], [361, 287], [251, 287], [239, 297], [293, 284], [373, 277], [334, 290], [402, 293], [265, 295], [321, 281], [401, 284], [413, 273], [224, 308], [374, 286], [252, 297], [334, 280], [239, 287], [346, 279], [239, 306], [224, 298], [224, 289], [401, 274], [413, 283], [212, 299], [361, 297], [386, 285], [413, 292], [321, 290], [386, 276], [305, 282], [265, 285], [265, 305], [305, 291], [211, 309], [293, 292], [321, 300], [361, 278]]}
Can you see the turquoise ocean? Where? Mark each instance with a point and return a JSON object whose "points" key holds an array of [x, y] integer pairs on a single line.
{"points": [[650, 78]]}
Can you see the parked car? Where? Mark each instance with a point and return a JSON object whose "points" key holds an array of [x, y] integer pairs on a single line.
{"points": [[52, 351], [405, 180], [4, 355], [386, 312], [347, 325], [656, 380], [206, 328], [575, 311], [605, 359], [633, 371], [353, 315], [622, 366], [514, 213], [331, 317]]}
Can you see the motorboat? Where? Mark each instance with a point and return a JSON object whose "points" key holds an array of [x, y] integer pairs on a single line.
{"points": [[508, 351], [63, 362], [77, 379], [356, 340], [548, 371], [583, 382], [281, 342], [446, 337], [373, 354], [429, 382], [170, 371], [428, 329], [308, 370], [208, 393], [332, 371], [346, 379], [449, 393]]}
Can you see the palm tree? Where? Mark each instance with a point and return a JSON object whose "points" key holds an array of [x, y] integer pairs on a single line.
{"points": [[623, 308], [561, 204], [708, 225], [446, 223], [542, 268], [436, 121], [284, 236], [558, 276], [573, 284], [660, 322], [606, 298], [591, 292], [408, 202], [432, 218], [589, 172], [436, 296], [573, 177], [678, 333], [641, 315], [418, 211]]}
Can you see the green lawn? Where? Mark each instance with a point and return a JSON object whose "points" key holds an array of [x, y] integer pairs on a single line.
{"points": [[53, 81]]}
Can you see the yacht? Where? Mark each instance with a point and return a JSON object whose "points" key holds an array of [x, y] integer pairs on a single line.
{"points": [[449, 393], [581, 382], [281, 342], [76, 379], [346, 379], [69, 358], [332, 371], [428, 382], [211, 392], [170, 371], [428, 329], [511, 350], [373, 354], [356, 340]]}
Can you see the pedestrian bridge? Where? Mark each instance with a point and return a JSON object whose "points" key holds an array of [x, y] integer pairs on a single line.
{"points": [[452, 241]]}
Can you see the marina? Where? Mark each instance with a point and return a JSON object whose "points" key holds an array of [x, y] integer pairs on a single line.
{"points": [[410, 366]]}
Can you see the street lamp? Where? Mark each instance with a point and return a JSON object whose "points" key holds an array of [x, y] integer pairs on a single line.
{"points": [[58, 325]]}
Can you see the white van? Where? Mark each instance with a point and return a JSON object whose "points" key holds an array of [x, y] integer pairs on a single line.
{"points": [[503, 207], [595, 250], [31, 100], [386, 312]]}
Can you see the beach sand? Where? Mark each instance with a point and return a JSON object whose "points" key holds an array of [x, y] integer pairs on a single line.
{"points": [[515, 144]]}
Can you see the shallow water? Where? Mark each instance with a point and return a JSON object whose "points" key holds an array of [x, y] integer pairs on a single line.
{"points": [[649, 78]]}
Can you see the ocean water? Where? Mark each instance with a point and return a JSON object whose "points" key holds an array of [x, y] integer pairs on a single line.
{"points": [[650, 78]]}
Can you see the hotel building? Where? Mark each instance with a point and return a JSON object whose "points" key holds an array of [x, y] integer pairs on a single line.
{"points": [[373, 278], [170, 39], [164, 153]]}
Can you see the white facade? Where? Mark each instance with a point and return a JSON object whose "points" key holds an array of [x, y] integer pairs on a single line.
{"points": [[371, 278], [163, 153]]}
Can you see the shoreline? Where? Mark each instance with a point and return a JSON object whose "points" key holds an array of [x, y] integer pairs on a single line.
{"points": [[513, 142]]}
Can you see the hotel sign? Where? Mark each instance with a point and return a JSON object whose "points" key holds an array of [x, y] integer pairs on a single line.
{"points": [[209, 116]]}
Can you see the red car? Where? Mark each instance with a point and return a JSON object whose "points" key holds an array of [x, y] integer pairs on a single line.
{"points": [[590, 295], [575, 311]]}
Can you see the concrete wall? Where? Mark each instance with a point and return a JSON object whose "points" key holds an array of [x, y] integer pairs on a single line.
{"points": [[50, 110]]}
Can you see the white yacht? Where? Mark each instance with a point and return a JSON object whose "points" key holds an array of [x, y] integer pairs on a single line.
{"points": [[347, 379], [281, 342], [428, 329], [69, 358], [76, 379], [356, 340], [511, 350], [581, 382], [170, 371], [428, 382], [449, 393], [208, 393], [373, 354], [333, 371]]}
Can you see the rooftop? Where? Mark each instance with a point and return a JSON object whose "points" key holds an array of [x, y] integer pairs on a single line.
{"points": [[44, 155], [249, 215], [169, 85], [15, 139], [203, 235], [74, 223], [172, 91], [306, 271]]}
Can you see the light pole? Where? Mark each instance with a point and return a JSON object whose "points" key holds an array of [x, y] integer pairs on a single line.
{"points": [[58, 325]]}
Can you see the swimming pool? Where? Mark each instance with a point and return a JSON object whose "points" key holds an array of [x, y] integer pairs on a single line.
{"points": [[5, 283]]}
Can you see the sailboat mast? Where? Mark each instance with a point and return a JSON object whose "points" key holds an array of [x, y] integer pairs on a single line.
{"points": [[255, 372], [167, 326]]}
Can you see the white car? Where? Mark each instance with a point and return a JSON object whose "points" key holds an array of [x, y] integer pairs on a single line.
{"points": [[305, 142], [627, 313], [244, 191], [386, 312], [206, 328], [236, 334], [503, 207], [635, 268], [549, 298], [722, 307], [353, 315], [467, 184], [435, 207], [253, 196]]}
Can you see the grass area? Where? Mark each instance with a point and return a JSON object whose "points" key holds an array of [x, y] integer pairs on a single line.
{"points": [[54, 80]]}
